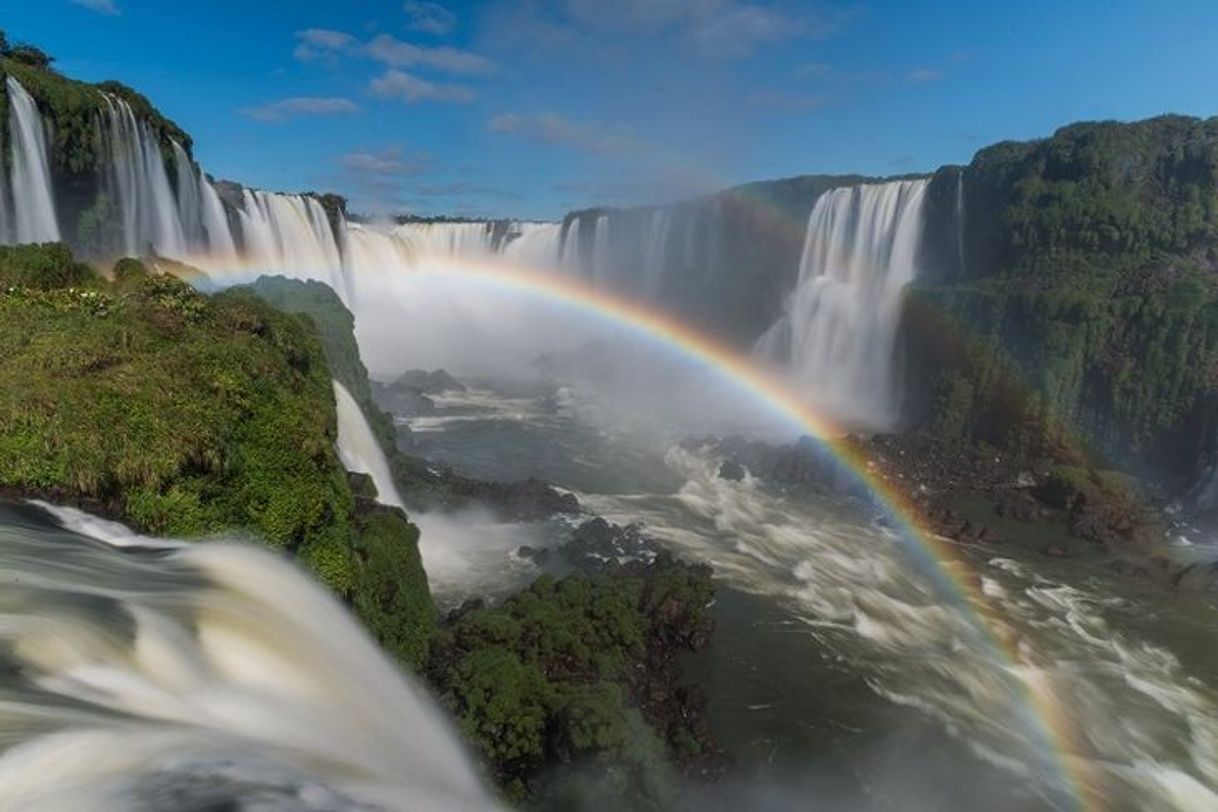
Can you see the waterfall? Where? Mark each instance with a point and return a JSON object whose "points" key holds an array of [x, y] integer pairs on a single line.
{"points": [[448, 239], [602, 258], [139, 183], [190, 197], [570, 255], [534, 245], [290, 235], [33, 201], [215, 224], [201, 676], [359, 449], [836, 337], [655, 252]]}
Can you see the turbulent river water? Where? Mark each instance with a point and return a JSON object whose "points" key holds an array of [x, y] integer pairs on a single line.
{"points": [[136, 674], [139, 674], [842, 676]]}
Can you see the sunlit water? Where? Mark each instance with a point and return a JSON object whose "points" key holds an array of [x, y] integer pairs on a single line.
{"points": [[844, 676]]}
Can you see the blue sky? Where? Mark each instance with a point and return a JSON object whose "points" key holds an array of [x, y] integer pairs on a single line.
{"points": [[531, 107]]}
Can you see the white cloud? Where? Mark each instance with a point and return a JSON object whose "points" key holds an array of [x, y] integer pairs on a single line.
{"points": [[389, 161], [398, 54], [924, 75], [396, 84], [297, 106], [105, 7], [716, 29], [429, 18], [322, 44], [552, 128]]}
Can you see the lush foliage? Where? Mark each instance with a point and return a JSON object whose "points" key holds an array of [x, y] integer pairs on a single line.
{"points": [[335, 327], [392, 597], [1131, 375], [1102, 195], [1084, 322], [552, 676]]}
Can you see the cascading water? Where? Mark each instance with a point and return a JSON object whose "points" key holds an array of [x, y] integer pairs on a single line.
{"points": [[534, 245], [201, 676], [448, 239], [140, 184], [836, 338], [33, 209], [359, 450]]}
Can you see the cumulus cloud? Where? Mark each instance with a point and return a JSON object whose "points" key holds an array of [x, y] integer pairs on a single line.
{"points": [[298, 106], [552, 128], [395, 53], [429, 18], [396, 84], [104, 7]]}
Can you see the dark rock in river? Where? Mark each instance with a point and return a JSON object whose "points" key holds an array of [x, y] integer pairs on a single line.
{"points": [[597, 545], [402, 401], [435, 382]]}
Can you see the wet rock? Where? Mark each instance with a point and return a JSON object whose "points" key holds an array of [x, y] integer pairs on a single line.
{"points": [[598, 545], [402, 401], [436, 382], [538, 555], [732, 471], [1054, 550]]}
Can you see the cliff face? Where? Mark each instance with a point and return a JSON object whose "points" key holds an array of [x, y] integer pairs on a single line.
{"points": [[725, 262], [188, 415], [1069, 302]]}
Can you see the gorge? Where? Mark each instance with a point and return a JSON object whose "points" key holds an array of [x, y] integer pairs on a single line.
{"points": [[1024, 346]]}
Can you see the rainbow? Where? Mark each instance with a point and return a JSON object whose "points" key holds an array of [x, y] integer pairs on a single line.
{"points": [[934, 554]]}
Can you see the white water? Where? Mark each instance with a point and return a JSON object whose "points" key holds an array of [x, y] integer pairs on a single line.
{"points": [[836, 340], [359, 450], [212, 676], [139, 182], [33, 204], [1144, 731]]}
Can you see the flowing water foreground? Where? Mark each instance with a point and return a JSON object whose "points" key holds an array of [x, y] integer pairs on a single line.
{"points": [[136, 674]]}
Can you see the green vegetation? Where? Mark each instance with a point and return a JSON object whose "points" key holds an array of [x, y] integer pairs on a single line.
{"points": [[189, 415], [1086, 326], [1100, 196], [335, 326], [556, 674], [392, 597]]}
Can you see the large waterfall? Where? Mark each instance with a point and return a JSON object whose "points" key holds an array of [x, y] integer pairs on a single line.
{"points": [[836, 338], [33, 216], [202, 676], [830, 326], [359, 450]]}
